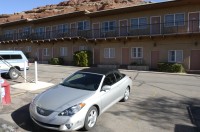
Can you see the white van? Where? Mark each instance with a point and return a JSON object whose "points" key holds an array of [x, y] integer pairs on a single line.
{"points": [[11, 62]]}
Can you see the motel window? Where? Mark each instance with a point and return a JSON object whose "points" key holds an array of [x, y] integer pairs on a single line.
{"points": [[109, 53], [174, 20], [175, 56], [39, 31], [83, 25], [108, 26], [63, 51], [65, 28], [27, 30], [137, 52], [45, 52], [60, 28], [8, 33], [139, 23], [28, 49]]}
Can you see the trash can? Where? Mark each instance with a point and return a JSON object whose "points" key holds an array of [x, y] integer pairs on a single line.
{"points": [[5, 92]]}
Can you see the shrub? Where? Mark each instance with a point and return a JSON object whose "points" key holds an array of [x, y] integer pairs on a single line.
{"points": [[82, 58], [170, 67], [56, 61]]}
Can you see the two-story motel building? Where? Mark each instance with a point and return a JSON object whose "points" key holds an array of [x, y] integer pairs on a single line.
{"points": [[148, 34]]}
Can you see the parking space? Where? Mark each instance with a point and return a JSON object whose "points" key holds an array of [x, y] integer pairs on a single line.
{"points": [[158, 103]]}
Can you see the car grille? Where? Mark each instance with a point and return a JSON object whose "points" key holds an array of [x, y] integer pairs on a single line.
{"points": [[45, 124], [44, 112]]}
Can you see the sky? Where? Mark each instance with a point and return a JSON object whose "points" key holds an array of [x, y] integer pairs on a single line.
{"points": [[14, 6]]}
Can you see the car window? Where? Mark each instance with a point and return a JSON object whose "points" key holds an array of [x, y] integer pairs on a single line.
{"points": [[15, 56], [118, 76], [109, 79], [5, 57], [84, 81]]}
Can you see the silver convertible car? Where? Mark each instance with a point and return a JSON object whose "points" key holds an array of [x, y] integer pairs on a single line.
{"points": [[80, 99]]}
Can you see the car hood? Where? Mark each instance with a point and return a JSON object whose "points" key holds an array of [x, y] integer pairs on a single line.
{"points": [[61, 96]]}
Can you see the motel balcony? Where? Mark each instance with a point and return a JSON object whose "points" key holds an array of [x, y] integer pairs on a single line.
{"points": [[157, 29]]}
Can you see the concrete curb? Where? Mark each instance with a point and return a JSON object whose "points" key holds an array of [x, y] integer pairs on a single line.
{"points": [[167, 73], [154, 72]]}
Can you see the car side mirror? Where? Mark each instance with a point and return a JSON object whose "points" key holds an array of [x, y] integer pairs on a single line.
{"points": [[106, 87]]}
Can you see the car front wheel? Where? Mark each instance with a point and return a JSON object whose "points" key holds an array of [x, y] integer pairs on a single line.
{"points": [[91, 118], [126, 95]]}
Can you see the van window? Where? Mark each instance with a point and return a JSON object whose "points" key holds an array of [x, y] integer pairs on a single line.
{"points": [[15, 56], [8, 57], [5, 57]]}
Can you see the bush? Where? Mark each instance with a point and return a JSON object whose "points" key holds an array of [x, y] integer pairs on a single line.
{"points": [[82, 58], [170, 67], [56, 61]]}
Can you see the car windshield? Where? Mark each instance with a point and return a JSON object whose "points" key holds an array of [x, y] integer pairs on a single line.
{"points": [[84, 81]]}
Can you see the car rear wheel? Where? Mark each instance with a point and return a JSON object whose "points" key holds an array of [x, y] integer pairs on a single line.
{"points": [[13, 73], [126, 95], [91, 118]]}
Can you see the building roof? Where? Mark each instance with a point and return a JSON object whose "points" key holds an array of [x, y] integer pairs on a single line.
{"points": [[150, 6]]}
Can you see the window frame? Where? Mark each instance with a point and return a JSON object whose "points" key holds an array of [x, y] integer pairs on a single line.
{"points": [[63, 51], [174, 22], [139, 24], [45, 51], [103, 29], [132, 52], [83, 25], [40, 31], [109, 53], [175, 56]]}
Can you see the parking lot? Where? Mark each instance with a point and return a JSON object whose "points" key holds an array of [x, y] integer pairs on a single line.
{"points": [[158, 103]]}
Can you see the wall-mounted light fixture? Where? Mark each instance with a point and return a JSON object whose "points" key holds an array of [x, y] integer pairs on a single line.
{"points": [[196, 43], [154, 44], [124, 42]]}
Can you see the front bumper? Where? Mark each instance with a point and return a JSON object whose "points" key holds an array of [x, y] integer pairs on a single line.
{"points": [[59, 123]]}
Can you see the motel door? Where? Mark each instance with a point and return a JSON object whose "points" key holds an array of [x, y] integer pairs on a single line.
{"points": [[123, 27], [40, 54], [194, 60], [125, 56], [48, 32], [155, 25], [154, 59], [73, 29], [96, 56], [96, 30], [194, 22]]}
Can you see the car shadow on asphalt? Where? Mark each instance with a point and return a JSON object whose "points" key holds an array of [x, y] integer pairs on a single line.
{"points": [[184, 128], [161, 112], [22, 118]]}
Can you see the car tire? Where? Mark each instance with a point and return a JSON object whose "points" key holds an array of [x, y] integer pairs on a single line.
{"points": [[91, 118], [126, 95], [13, 73]]}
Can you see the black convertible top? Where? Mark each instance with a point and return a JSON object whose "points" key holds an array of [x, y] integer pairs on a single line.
{"points": [[103, 71]]}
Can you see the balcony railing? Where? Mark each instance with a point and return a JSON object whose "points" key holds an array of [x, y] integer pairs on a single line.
{"points": [[186, 27]]}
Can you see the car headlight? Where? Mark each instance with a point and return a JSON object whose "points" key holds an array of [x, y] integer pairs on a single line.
{"points": [[72, 110]]}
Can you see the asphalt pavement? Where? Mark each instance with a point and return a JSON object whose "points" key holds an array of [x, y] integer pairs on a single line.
{"points": [[159, 102]]}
